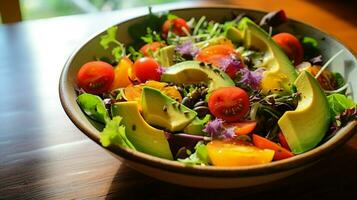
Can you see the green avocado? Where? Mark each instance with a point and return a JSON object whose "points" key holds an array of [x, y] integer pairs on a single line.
{"points": [[189, 72], [144, 137], [163, 111], [305, 127], [280, 72], [197, 125], [165, 56], [234, 35]]}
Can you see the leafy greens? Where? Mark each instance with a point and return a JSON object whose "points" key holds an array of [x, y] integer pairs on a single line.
{"points": [[114, 134]]}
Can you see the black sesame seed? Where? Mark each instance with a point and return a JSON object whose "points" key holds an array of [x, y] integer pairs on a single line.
{"points": [[133, 127]]}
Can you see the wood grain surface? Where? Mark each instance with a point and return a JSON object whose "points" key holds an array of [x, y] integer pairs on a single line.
{"points": [[44, 156]]}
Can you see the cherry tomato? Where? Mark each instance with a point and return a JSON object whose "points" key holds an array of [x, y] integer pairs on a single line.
{"points": [[229, 103], [263, 143], [291, 46], [121, 78], [177, 25], [95, 77], [243, 127], [148, 49], [146, 68]]}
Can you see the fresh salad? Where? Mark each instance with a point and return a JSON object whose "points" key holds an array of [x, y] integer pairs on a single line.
{"points": [[202, 92]]}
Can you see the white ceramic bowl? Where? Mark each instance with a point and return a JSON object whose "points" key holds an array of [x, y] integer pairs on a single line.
{"points": [[209, 176]]}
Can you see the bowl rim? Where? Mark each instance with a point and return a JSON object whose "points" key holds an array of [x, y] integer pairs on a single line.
{"points": [[211, 171]]}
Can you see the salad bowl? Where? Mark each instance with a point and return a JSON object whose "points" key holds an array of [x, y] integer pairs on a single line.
{"points": [[209, 176]]}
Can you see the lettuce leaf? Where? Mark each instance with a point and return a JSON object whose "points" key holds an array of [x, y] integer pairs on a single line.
{"points": [[114, 134], [118, 51], [200, 157], [338, 103], [94, 107]]}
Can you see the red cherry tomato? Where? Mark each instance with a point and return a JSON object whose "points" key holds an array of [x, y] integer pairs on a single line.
{"points": [[95, 77], [243, 127], [229, 103], [146, 68], [263, 143], [177, 25], [148, 49], [291, 46]]}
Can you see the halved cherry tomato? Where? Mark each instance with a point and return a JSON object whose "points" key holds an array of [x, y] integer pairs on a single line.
{"points": [[282, 141], [229, 103], [121, 78], [280, 152], [231, 153], [205, 55], [95, 77], [146, 68], [243, 127], [148, 49], [291, 46], [177, 25]]}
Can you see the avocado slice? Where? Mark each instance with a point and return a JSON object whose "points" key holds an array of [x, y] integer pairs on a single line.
{"points": [[305, 127], [195, 72], [165, 55], [280, 72], [144, 137], [197, 125], [163, 111]]}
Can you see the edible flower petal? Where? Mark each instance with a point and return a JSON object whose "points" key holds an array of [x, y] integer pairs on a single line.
{"points": [[216, 129], [187, 48], [161, 69], [229, 132], [251, 78]]}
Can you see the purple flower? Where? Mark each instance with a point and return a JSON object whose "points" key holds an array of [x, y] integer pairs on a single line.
{"points": [[229, 61], [187, 48], [161, 69], [251, 78], [216, 129], [224, 62], [229, 132]]}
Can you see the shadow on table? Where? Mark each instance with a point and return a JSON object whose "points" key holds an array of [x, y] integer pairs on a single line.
{"points": [[332, 178], [345, 9]]}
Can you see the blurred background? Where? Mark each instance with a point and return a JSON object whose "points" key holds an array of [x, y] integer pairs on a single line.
{"points": [[17, 10]]}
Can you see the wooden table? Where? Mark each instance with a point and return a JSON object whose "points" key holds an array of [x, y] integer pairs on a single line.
{"points": [[43, 155]]}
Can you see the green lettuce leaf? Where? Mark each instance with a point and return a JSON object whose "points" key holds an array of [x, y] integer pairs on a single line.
{"points": [[338, 103], [114, 134], [110, 38], [94, 107], [200, 157]]}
